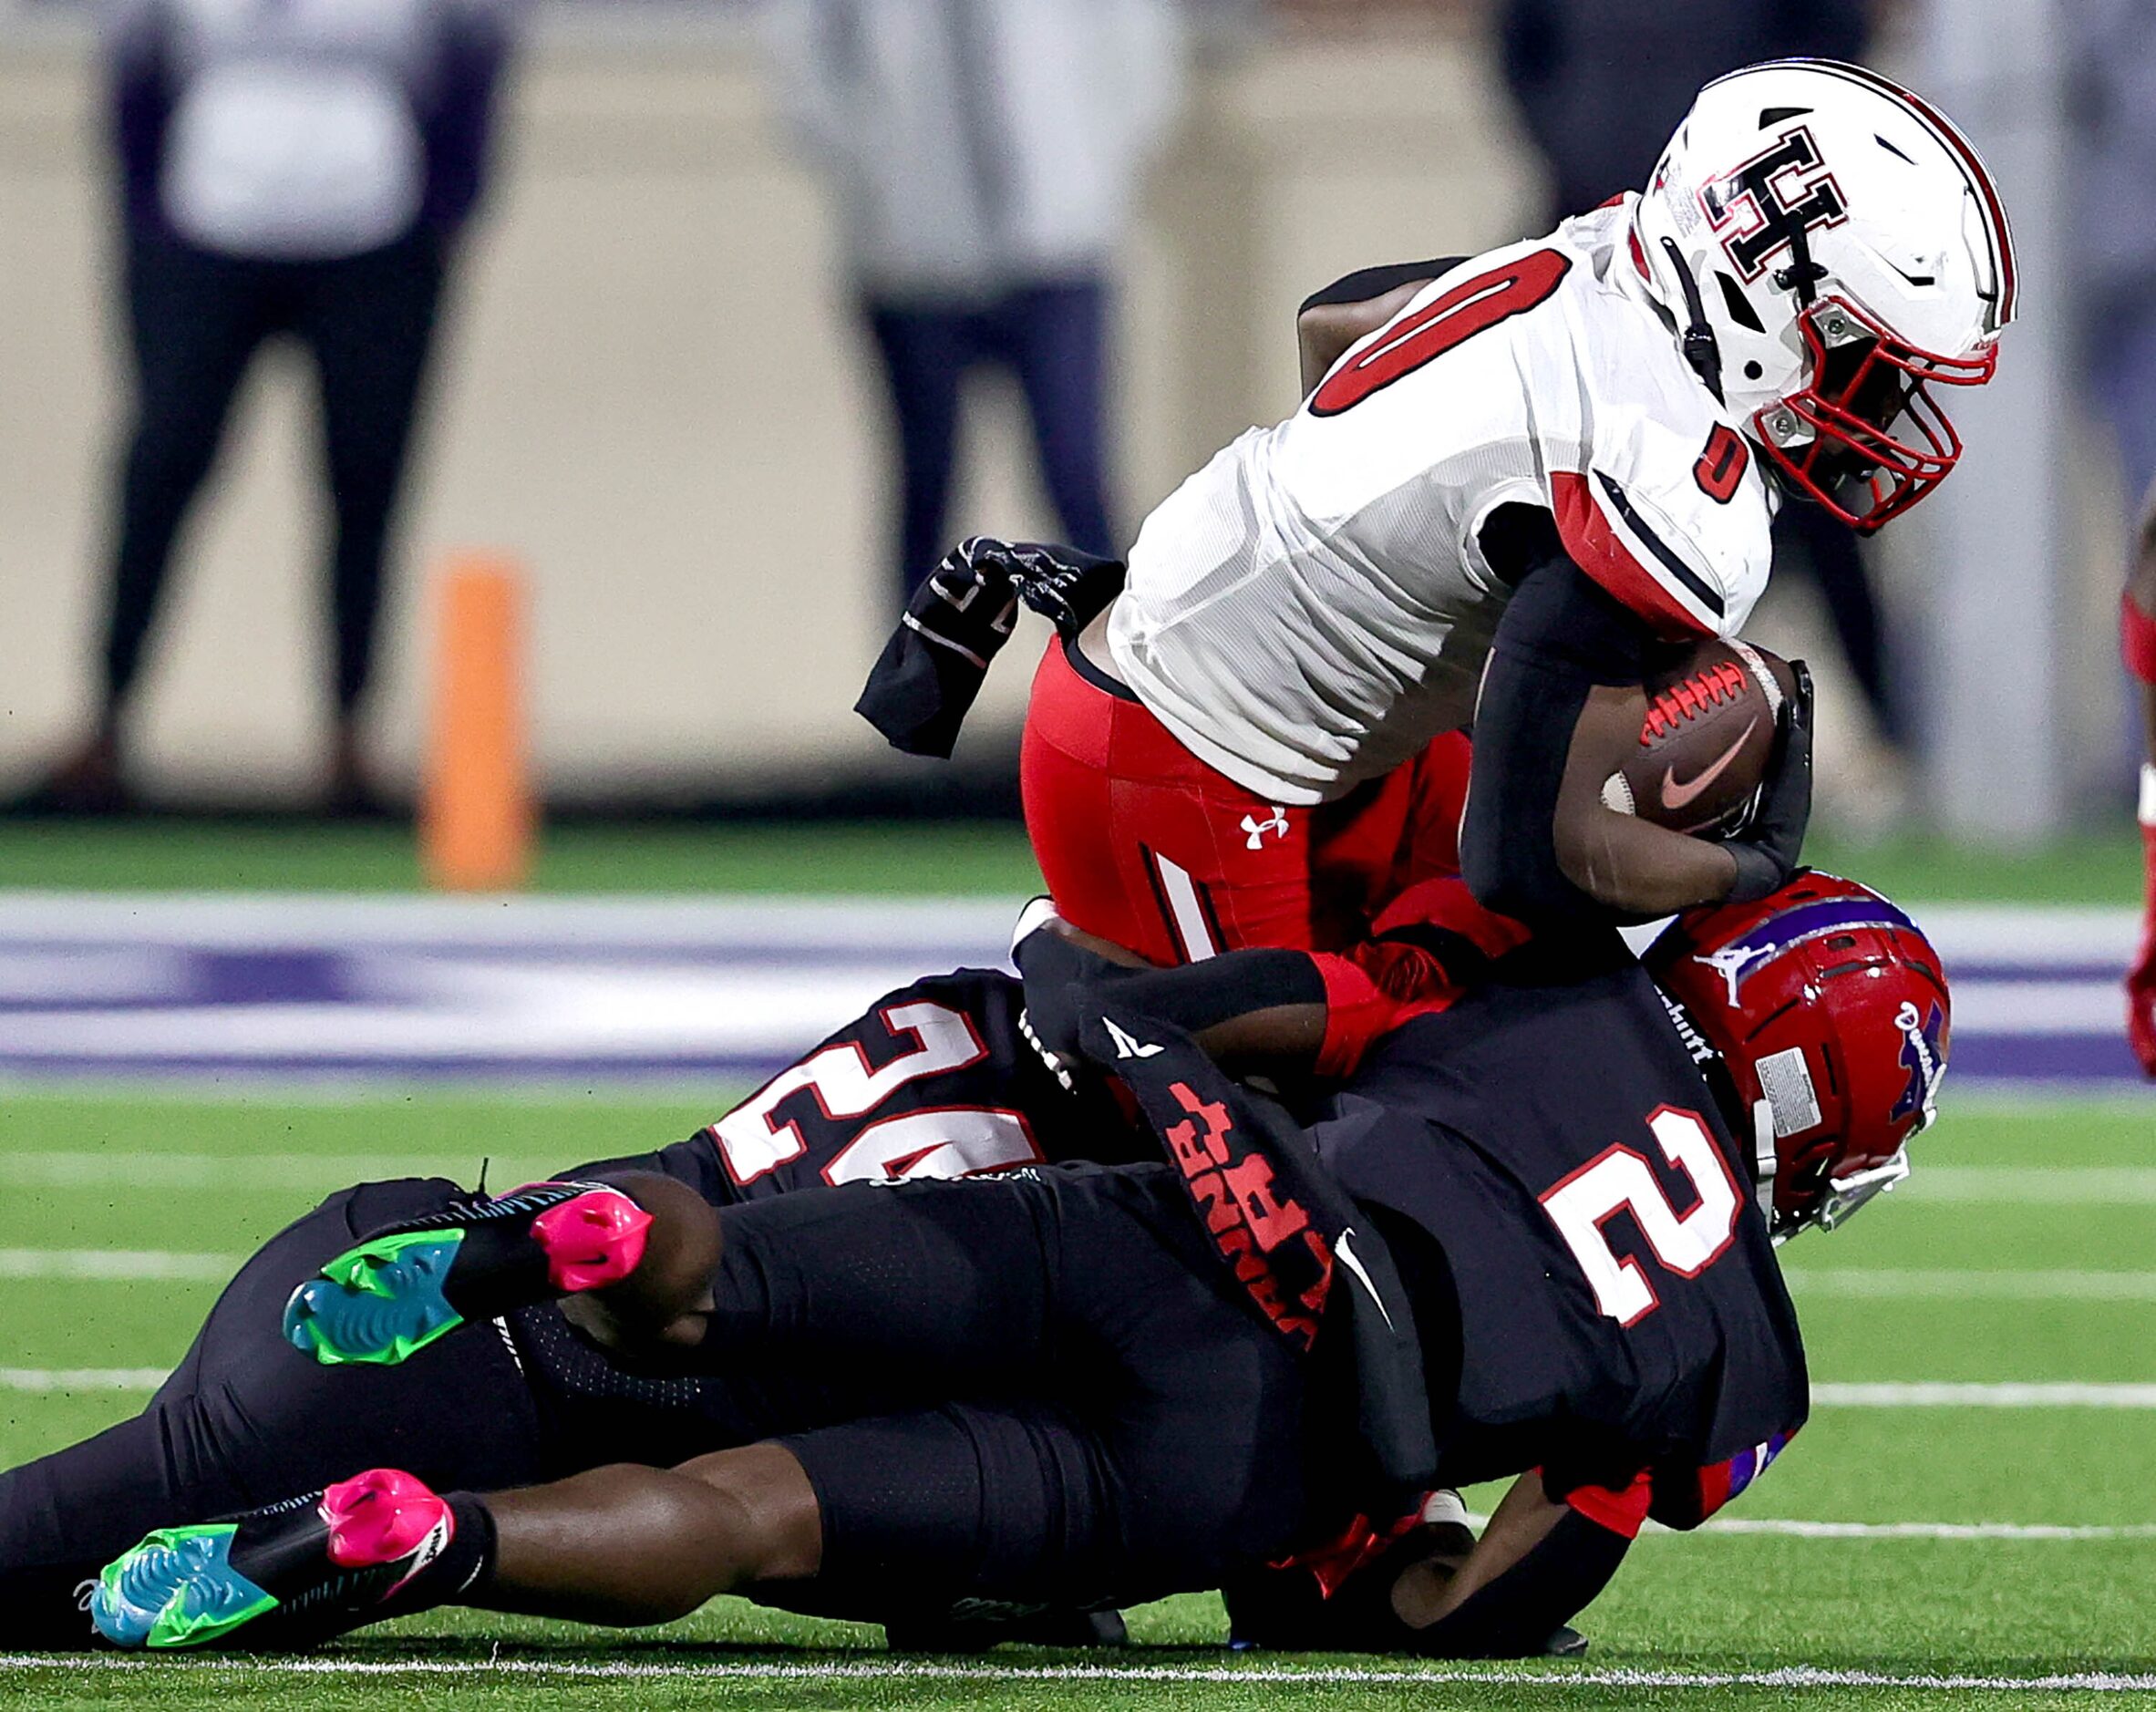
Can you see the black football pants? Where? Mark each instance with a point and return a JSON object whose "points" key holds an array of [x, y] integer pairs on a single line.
{"points": [[247, 1419], [1052, 337], [1035, 1388], [195, 321], [1038, 1387]]}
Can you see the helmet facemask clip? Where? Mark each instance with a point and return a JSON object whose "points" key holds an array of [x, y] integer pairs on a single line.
{"points": [[1865, 416]]}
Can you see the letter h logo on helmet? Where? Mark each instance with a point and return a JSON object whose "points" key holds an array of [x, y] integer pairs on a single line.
{"points": [[1757, 208]]}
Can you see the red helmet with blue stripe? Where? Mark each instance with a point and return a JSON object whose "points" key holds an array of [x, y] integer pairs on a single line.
{"points": [[1830, 1013]]}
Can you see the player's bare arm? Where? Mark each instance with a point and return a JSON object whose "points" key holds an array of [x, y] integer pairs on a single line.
{"points": [[1623, 860], [1355, 307], [1324, 331], [2137, 615], [1537, 1565]]}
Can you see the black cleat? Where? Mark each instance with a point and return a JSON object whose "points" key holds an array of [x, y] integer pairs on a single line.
{"points": [[290, 1574]]}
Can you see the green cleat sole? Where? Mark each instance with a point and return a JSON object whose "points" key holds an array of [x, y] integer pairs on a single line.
{"points": [[379, 1303]]}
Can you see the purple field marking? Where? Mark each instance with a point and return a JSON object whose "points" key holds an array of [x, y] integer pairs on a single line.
{"points": [[715, 993]]}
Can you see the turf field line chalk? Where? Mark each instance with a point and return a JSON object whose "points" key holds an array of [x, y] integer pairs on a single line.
{"points": [[85, 1167], [1795, 1529], [114, 1264], [1948, 1393], [1901, 1394], [1974, 1285], [1556, 1676], [152, 1172], [43, 1379], [2025, 1185]]}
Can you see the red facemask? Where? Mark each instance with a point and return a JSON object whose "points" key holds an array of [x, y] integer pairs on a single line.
{"points": [[1877, 433]]}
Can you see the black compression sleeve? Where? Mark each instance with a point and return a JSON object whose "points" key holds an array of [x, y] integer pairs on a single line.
{"points": [[1561, 616], [1517, 1613], [1197, 995], [1366, 283], [1194, 996], [1561, 635]]}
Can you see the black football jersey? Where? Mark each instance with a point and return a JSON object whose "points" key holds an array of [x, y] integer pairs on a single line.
{"points": [[934, 1080], [1623, 1322]]}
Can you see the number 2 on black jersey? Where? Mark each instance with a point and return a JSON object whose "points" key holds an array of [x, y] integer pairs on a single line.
{"points": [[1472, 306], [1619, 1179]]}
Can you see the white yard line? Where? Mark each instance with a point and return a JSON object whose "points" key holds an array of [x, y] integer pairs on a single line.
{"points": [[43, 1379], [1559, 1677], [1948, 1393], [155, 1167], [114, 1264], [1983, 934], [1972, 1286], [1893, 1394], [2037, 1185], [1795, 1528], [930, 925], [1798, 1530], [169, 1265]]}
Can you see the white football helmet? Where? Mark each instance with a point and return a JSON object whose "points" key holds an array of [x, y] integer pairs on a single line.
{"points": [[1828, 244]]}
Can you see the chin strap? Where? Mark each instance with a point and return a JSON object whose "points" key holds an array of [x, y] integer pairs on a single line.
{"points": [[1697, 340], [1803, 274], [1766, 1161]]}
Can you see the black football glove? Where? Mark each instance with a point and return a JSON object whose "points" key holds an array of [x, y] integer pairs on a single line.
{"points": [[923, 683], [1066, 587], [968, 603], [1059, 976], [1766, 854]]}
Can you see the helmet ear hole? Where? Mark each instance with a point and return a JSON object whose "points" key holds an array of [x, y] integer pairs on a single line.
{"points": [[1800, 1183], [1738, 305]]}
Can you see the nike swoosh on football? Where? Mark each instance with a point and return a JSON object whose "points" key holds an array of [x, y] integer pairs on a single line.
{"points": [[1676, 796]]}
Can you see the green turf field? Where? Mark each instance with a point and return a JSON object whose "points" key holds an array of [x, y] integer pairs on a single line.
{"points": [[2019, 1255], [1983, 1272]]}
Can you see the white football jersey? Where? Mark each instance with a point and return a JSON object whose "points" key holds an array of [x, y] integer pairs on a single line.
{"points": [[1311, 608]]}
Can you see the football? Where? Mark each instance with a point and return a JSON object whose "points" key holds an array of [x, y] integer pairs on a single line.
{"points": [[1705, 741]]}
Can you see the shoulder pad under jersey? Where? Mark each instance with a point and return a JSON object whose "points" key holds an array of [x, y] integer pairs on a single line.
{"points": [[1670, 510]]}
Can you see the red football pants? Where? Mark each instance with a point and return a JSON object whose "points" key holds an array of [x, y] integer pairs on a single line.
{"points": [[1143, 843]]}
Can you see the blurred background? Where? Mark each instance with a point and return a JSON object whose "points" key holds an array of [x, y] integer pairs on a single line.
{"points": [[713, 323], [671, 285]]}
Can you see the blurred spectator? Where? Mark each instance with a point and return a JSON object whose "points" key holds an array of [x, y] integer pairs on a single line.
{"points": [[1602, 85], [984, 154], [2114, 45], [296, 167], [2112, 49]]}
